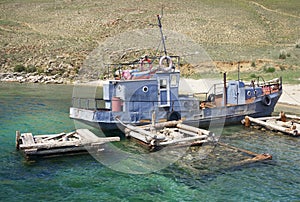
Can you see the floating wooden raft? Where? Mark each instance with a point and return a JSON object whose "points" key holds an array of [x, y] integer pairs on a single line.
{"points": [[175, 133], [288, 124], [58, 144], [167, 133]]}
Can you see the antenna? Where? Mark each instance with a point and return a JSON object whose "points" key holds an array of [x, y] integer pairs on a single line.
{"points": [[161, 32]]}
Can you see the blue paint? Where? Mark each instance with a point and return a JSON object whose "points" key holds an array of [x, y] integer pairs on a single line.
{"points": [[139, 98]]}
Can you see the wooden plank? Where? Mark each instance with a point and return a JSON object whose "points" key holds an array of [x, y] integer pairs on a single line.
{"points": [[140, 130], [288, 124], [274, 127], [268, 118], [194, 129], [167, 124], [187, 139], [292, 117], [102, 140], [50, 145], [88, 137], [192, 134], [53, 136], [27, 139], [18, 136], [238, 149], [139, 136], [53, 151]]}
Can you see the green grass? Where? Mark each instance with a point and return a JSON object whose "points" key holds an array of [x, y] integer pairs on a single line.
{"points": [[289, 76], [8, 23]]}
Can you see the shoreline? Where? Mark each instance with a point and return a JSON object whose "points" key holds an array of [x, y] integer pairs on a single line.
{"points": [[289, 98], [290, 95]]}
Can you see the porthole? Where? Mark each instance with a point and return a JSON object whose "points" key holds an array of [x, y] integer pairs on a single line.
{"points": [[145, 89]]}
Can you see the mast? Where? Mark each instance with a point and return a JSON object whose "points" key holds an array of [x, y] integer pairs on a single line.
{"points": [[161, 33]]}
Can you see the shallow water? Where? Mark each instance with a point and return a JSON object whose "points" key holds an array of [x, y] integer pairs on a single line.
{"points": [[43, 109]]}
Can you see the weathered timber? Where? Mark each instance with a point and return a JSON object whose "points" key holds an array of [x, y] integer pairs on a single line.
{"points": [[272, 126], [54, 136], [166, 133], [194, 129], [182, 140], [255, 156], [18, 136], [238, 149], [140, 130], [27, 139], [167, 124], [59, 144], [268, 118], [50, 145], [292, 117]]}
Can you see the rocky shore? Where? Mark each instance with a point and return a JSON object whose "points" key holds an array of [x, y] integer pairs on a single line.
{"points": [[21, 77]]}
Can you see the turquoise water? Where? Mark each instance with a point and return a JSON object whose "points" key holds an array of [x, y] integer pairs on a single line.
{"points": [[43, 109]]}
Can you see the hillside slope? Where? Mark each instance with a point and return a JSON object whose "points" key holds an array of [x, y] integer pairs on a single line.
{"points": [[54, 37]]}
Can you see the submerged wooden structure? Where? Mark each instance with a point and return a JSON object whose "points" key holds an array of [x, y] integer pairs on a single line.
{"points": [[167, 133], [174, 133], [71, 143], [287, 124], [254, 157]]}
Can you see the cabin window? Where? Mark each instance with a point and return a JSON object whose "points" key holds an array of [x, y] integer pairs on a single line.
{"points": [[145, 89], [163, 83], [173, 80]]}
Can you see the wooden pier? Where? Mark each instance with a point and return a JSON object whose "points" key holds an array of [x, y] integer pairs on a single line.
{"points": [[59, 144], [287, 124]]}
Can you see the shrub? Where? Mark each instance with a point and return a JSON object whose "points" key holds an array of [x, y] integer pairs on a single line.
{"points": [[282, 56], [282, 68], [253, 64], [40, 70], [31, 69], [270, 69], [19, 68], [298, 44], [253, 76]]}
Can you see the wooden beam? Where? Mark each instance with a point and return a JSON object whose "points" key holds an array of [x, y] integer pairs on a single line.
{"points": [[18, 136], [292, 117], [187, 139], [238, 149], [274, 126], [27, 139], [194, 129], [53, 136]]}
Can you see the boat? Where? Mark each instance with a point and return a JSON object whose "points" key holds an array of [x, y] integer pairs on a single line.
{"points": [[134, 91]]}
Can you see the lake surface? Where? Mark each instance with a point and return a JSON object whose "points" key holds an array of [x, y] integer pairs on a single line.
{"points": [[43, 109]]}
